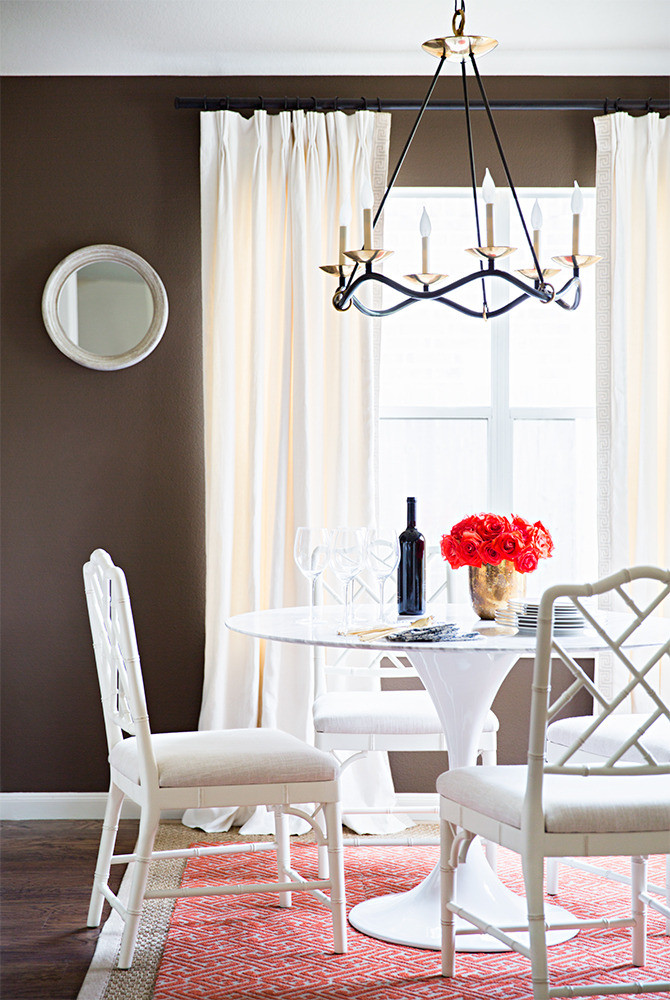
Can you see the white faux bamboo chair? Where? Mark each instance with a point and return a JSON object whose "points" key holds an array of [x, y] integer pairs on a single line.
{"points": [[358, 722], [234, 767], [564, 808], [599, 747]]}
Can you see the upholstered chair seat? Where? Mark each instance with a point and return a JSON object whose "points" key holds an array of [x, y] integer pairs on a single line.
{"points": [[226, 757], [392, 712]]}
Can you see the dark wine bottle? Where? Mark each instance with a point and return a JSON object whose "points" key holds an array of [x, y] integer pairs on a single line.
{"points": [[412, 566]]}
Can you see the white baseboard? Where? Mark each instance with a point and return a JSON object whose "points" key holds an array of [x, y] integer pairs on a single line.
{"points": [[91, 805], [64, 805]]}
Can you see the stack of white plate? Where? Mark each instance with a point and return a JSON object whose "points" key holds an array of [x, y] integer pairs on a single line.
{"points": [[523, 615]]}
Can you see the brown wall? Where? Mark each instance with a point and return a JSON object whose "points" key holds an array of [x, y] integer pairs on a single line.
{"points": [[115, 459]]}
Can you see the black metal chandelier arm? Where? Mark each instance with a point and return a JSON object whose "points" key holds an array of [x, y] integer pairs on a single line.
{"points": [[378, 313], [542, 293], [508, 174], [471, 155], [545, 293], [408, 143], [347, 294], [464, 310], [401, 158], [576, 283]]}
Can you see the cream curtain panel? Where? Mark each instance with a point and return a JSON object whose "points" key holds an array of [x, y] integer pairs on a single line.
{"points": [[290, 394], [633, 343]]}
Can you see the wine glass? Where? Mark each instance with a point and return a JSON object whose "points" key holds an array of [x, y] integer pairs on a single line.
{"points": [[311, 551], [383, 555], [347, 559]]}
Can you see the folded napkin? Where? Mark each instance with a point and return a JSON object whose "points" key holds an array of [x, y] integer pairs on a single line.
{"points": [[381, 631], [442, 632]]}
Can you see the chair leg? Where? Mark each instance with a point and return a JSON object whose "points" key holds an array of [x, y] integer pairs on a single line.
{"points": [[110, 826], [323, 861], [447, 881], [490, 759], [533, 875], [322, 849], [283, 840], [143, 848], [638, 879], [552, 876], [667, 891], [333, 816]]}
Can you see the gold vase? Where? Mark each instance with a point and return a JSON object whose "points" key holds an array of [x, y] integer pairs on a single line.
{"points": [[491, 587]]}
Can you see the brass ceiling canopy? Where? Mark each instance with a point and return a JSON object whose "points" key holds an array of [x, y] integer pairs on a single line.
{"points": [[458, 45]]}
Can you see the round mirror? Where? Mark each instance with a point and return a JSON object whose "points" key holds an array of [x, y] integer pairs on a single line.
{"points": [[105, 307]]}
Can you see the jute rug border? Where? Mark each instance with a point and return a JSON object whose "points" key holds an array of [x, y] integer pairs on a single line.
{"points": [[103, 980]]}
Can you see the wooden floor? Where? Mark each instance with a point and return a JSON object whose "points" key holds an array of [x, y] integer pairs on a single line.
{"points": [[46, 877]]}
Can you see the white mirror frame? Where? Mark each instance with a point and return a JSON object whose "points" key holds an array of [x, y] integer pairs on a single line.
{"points": [[95, 254]]}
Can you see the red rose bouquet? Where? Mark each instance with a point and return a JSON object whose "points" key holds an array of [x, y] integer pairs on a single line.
{"points": [[491, 538]]}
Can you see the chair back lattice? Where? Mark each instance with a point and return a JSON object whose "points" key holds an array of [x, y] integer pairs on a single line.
{"points": [[644, 625], [117, 657]]}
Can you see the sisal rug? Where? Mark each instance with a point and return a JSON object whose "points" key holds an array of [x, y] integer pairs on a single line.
{"points": [[245, 947]]}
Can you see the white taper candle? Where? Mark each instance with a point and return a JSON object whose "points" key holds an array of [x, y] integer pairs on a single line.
{"points": [[489, 193], [576, 204], [425, 229]]}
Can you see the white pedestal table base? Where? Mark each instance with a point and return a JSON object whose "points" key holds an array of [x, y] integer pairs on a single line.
{"points": [[462, 686], [413, 918]]}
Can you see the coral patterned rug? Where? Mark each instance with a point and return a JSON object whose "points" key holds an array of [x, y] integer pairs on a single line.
{"points": [[248, 947]]}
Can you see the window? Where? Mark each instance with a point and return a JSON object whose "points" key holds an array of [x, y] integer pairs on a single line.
{"points": [[491, 416]]}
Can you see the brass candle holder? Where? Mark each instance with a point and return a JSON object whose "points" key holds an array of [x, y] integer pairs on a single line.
{"points": [[425, 280], [490, 253], [341, 270], [367, 256], [577, 260], [531, 272]]}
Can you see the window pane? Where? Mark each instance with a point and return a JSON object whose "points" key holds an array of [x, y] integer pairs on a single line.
{"points": [[552, 351], [432, 355], [555, 482], [440, 462]]}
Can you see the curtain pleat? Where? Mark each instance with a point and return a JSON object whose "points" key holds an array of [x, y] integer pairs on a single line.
{"points": [[290, 397], [633, 344]]}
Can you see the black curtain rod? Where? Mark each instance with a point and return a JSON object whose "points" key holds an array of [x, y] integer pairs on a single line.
{"points": [[605, 106]]}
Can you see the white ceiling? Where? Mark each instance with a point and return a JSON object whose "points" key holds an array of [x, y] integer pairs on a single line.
{"points": [[327, 37]]}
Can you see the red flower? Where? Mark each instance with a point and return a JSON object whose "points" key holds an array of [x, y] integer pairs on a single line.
{"points": [[527, 560], [490, 553], [491, 525], [467, 524], [508, 543], [542, 540], [469, 548], [450, 552], [524, 528], [481, 539]]}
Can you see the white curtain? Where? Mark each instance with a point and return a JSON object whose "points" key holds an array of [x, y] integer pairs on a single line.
{"points": [[290, 394], [633, 343]]}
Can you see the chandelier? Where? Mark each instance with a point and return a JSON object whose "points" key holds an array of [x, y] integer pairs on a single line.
{"points": [[529, 283]]}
